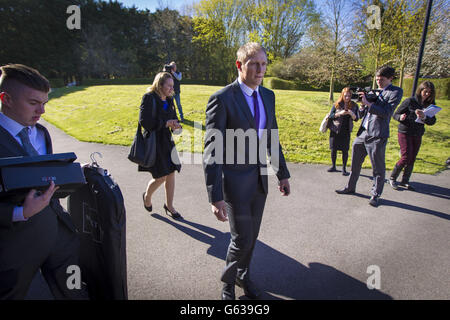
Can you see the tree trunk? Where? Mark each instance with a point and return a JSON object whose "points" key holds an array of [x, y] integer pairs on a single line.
{"points": [[377, 61], [330, 96], [402, 67]]}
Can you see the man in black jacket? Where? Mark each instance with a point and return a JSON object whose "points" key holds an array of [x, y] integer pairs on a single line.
{"points": [[237, 185], [38, 233]]}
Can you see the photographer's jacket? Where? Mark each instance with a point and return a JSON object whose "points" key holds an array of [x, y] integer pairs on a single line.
{"points": [[379, 115]]}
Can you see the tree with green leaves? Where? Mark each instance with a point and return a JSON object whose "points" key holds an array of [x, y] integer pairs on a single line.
{"points": [[279, 25], [373, 25]]}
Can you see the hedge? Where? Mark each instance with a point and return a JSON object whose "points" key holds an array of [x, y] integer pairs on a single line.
{"points": [[281, 84], [59, 83], [56, 83], [442, 86]]}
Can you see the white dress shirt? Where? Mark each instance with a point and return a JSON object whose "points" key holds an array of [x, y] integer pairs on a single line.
{"points": [[37, 139]]}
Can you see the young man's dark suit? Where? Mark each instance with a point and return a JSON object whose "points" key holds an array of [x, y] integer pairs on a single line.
{"points": [[48, 240], [372, 141], [243, 186]]}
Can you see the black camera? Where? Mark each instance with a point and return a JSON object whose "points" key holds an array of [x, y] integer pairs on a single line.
{"points": [[167, 68], [371, 94]]}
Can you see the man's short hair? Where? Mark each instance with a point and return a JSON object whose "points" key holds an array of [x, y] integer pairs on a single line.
{"points": [[248, 50], [386, 71], [12, 74]]}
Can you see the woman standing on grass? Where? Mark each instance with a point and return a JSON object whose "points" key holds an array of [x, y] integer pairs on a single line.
{"points": [[163, 120], [410, 132], [343, 113]]}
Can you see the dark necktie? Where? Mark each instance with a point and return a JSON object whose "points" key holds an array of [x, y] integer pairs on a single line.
{"points": [[23, 135], [256, 105]]}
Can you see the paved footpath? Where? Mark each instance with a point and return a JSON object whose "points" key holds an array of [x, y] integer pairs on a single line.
{"points": [[314, 244]]}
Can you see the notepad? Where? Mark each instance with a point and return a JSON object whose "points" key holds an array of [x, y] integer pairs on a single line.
{"points": [[430, 111]]}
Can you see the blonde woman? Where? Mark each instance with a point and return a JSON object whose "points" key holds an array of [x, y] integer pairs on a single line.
{"points": [[157, 113]]}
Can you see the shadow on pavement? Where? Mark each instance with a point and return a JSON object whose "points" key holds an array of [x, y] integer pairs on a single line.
{"points": [[385, 202], [278, 274], [431, 190], [402, 205], [423, 188]]}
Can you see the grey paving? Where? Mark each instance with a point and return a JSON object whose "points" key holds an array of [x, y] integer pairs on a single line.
{"points": [[314, 244]]}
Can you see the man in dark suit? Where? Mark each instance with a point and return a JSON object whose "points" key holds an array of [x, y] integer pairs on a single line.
{"points": [[38, 233], [241, 126], [373, 134]]}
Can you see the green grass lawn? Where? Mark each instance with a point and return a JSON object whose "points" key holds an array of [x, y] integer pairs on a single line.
{"points": [[109, 114]]}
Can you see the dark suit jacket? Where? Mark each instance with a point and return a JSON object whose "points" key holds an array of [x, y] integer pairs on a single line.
{"points": [[380, 112], [38, 226], [237, 179]]}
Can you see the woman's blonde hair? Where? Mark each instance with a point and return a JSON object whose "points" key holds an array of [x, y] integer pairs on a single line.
{"points": [[158, 83]]}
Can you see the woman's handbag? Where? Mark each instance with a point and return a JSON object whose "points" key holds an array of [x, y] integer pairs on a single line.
{"points": [[324, 125], [143, 149]]}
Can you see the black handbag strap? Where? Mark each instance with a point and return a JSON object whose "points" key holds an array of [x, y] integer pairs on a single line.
{"points": [[153, 114]]}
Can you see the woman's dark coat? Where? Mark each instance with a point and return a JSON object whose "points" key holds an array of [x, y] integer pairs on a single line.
{"points": [[164, 163]]}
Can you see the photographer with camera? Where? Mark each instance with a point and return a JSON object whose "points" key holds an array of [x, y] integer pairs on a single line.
{"points": [[373, 133], [38, 233], [343, 113], [172, 69]]}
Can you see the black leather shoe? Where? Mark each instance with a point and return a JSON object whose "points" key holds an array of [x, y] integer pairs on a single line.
{"points": [[345, 173], [374, 201], [332, 169], [250, 290], [345, 191], [228, 292], [149, 209]]}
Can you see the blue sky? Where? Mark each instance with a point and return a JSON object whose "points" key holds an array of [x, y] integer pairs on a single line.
{"points": [[152, 5]]}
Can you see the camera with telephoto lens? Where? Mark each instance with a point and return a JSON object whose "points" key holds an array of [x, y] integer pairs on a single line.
{"points": [[371, 94], [167, 68]]}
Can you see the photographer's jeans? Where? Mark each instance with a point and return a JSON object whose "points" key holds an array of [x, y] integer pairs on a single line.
{"points": [[180, 109]]}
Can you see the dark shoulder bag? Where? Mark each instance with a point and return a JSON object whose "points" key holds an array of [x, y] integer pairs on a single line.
{"points": [[333, 124], [143, 149]]}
